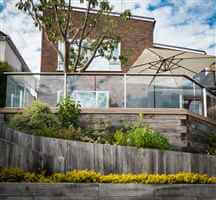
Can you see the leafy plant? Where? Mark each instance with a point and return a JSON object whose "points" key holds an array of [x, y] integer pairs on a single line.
{"points": [[147, 138], [35, 118], [69, 112], [61, 133], [120, 138], [141, 136]]}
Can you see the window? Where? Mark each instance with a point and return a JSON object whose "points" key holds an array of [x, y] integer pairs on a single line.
{"points": [[98, 63], [103, 64], [92, 99]]}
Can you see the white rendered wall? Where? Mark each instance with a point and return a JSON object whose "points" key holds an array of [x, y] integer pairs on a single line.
{"points": [[11, 58], [2, 51]]}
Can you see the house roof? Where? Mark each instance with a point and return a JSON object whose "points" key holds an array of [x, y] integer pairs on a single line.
{"points": [[136, 17], [5, 37], [172, 47]]}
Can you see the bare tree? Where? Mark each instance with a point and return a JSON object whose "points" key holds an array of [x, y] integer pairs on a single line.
{"points": [[87, 34]]}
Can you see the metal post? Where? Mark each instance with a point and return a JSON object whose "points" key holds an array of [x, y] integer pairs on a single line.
{"points": [[205, 102], [180, 101], [194, 89], [125, 91], [154, 96], [65, 85]]}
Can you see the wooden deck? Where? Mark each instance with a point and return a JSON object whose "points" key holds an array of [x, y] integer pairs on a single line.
{"points": [[145, 111]]}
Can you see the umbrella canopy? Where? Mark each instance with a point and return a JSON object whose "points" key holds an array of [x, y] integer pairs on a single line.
{"points": [[163, 60]]}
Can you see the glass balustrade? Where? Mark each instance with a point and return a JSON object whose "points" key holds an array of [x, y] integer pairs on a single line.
{"points": [[110, 91]]}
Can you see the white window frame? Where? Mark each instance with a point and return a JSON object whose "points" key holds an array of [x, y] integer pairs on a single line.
{"points": [[76, 96]]}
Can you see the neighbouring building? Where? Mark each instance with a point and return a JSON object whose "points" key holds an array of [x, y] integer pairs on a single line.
{"points": [[17, 93], [10, 54]]}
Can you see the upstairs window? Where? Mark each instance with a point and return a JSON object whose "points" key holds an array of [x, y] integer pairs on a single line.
{"points": [[103, 64], [98, 63]]}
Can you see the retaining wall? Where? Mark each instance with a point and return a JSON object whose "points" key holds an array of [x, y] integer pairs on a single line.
{"points": [[32, 152], [26, 191], [185, 131]]}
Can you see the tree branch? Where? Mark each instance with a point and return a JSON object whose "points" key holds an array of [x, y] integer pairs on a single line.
{"points": [[68, 18], [94, 53], [75, 36], [58, 22], [82, 33], [91, 28], [35, 17]]}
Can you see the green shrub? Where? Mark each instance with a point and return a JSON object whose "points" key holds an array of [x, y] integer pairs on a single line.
{"points": [[5, 67], [68, 113], [35, 119], [147, 138], [141, 137], [120, 138], [70, 133]]}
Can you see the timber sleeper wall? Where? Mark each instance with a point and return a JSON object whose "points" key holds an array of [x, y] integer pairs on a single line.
{"points": [[32, 152]]}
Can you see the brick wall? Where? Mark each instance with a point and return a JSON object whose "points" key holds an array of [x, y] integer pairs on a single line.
{"points": [[136, 35]]}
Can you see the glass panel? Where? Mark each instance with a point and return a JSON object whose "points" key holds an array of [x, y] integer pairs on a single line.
{"points": [[23, 89], [168, 92], [211, 106], [139, 93], [96, 91], [192, 97], [163, 92], [206, 78], [50, 89]]}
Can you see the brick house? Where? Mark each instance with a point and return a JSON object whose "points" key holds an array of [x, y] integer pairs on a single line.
{"points": [[136, 35]]}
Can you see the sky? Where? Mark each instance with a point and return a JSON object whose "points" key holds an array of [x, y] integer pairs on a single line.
{"points": [[184, 23]]}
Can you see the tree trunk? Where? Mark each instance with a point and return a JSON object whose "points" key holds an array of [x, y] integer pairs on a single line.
{"points": [[66, 56]]}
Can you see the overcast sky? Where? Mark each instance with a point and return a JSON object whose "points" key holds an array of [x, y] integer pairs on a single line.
{"points": [[186, 23]]}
